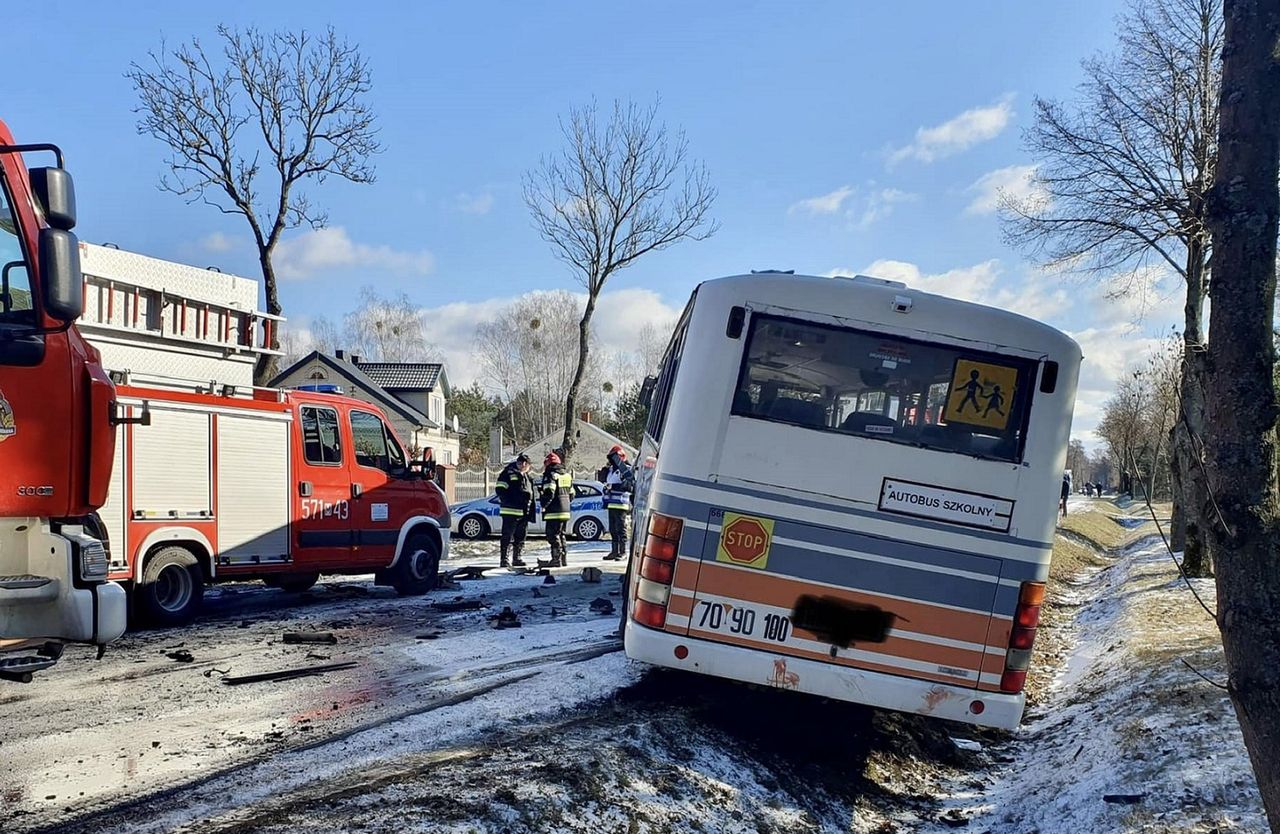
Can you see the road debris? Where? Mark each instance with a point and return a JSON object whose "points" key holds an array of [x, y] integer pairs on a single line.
{"points": [[430, 635], [286, 674], [459, 604], [590, 574], [1123, 798], [299, 637], [602, 605], [506, 618], [549, 580], [182, 656], [468, 572]]}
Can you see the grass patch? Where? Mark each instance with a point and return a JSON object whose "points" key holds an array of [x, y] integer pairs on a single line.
{"points": [[1102, 530]]}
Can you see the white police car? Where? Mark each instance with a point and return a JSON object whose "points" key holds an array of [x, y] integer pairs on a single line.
{"points": [[479, 518]]}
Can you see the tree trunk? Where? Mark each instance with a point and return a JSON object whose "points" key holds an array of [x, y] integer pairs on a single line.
{"points": [[1188, 434], [571, 403], [1241, 408], [268, 364]]}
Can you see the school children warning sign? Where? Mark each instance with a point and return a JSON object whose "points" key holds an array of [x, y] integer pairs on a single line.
{"points": [[981, 394]]}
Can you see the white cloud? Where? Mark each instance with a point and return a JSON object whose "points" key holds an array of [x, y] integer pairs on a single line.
{"points": [[861, 210], [218, 242], [468, 203], [1016, 182], [879, 204], [957, 134], [323, 250], [620, 316], [824, 204]]}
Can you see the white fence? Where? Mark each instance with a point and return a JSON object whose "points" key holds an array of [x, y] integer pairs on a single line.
{"points": [[474, 482]]}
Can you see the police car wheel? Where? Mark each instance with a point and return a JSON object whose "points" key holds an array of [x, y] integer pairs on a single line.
{"points": [[473, 527], [417, 571], [588, 529]]}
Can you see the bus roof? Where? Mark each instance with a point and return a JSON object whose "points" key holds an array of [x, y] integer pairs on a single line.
{"points": [[895, 304]]}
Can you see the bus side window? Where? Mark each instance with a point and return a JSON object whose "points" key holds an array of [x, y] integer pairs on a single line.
{"points": [[667, 378]]}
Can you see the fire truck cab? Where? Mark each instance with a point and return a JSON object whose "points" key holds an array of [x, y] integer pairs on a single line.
{"points": [[236, 483]]}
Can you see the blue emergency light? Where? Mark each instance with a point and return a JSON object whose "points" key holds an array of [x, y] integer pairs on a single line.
{"points": [[326, 388]]}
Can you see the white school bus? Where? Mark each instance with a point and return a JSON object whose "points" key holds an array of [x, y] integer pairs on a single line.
{"points": [[848, 488]]}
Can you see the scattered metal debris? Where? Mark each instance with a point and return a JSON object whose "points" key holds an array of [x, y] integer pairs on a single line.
{"points": [[602, 605], [459, 604], [298, 637], [182, 656], [506, 618], [286, 674]]}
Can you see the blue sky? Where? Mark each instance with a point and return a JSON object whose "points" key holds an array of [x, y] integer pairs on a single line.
{"points": [[841, 135]]}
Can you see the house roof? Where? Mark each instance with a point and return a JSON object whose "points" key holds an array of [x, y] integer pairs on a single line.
{"points": [[356, 376], [553, 439], [402, 375]]}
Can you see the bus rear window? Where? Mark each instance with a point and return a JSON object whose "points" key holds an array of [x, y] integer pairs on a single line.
{"points": [[885, 388]]}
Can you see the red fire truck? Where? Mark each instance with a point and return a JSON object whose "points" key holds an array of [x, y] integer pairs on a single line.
{"points": [[57, 428], [233, 483]]}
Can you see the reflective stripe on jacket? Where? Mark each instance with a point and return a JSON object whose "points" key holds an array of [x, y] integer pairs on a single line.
{"points": [[515, 491], [557, 493]]}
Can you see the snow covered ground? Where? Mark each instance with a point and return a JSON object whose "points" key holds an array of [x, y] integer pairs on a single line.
{"points": [[548, 728], [1126, 738]]}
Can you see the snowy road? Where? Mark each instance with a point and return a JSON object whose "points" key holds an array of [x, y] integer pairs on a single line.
{"points": [[92, 735]]}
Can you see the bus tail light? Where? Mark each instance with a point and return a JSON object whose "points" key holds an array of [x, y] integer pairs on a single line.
{"points": [[1026, 619], [657, 570]]}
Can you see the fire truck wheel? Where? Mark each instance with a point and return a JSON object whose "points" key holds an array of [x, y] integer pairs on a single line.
{"points": [[171, 588], [418, 569]]}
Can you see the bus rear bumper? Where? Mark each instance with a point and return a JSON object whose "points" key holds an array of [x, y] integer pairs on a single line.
{"points": [[842, 683]]}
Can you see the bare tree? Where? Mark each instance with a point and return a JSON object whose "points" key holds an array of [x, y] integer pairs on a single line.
{"points": [[245, 128], [618, 190], [523, 357], [387, 330], [1244, 210], [1123, 174]]}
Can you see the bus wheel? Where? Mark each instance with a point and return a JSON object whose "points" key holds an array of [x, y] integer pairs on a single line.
{"points": [[294, 583], [418, 569], [172, 587]]}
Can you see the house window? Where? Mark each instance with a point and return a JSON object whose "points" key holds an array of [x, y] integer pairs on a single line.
{"points": [[318, 374]]}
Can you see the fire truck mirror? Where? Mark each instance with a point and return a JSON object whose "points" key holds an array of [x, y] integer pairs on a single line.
{"points": [[60, 269]]}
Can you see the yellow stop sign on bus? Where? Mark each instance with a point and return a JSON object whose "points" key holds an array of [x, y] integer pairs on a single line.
{"points": [[745, 540]]}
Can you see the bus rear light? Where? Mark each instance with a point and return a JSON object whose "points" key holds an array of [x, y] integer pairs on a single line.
{"points": [[1022, 638], [648, 614], [1019, 659], [1013, 680], [1028, 616], [657, 571], [977, 707], [657, 548], [653, 592], [681, 652], [665, 526]]}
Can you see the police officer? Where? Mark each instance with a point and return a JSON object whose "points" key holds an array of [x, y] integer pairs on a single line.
{"points": [[619, 483], [516, 496], [557, 493]]}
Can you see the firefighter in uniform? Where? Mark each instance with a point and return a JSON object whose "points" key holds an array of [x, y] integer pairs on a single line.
{"points": [[516, 495], [557, 493], [619, 483]]}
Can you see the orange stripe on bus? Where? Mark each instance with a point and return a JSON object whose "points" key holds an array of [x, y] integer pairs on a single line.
{"points": [[682, 606], [775, 649], [782, 592]]}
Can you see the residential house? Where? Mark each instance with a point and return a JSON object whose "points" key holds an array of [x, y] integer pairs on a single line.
{"points": [[414, 395], [593, 443]]}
